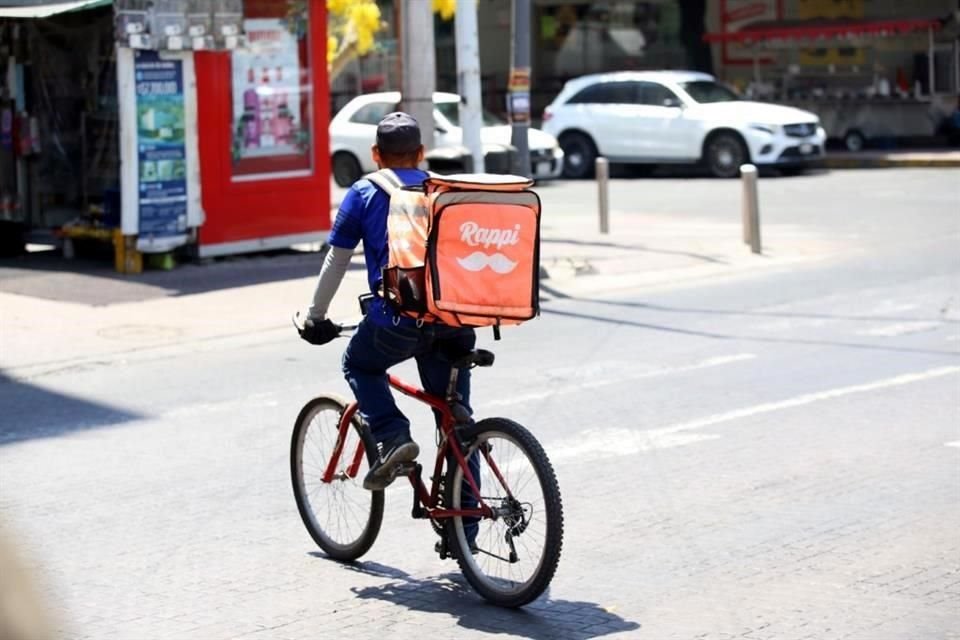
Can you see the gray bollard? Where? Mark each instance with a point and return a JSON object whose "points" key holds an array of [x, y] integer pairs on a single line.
{"points": [[751, 207], [603, 180]]}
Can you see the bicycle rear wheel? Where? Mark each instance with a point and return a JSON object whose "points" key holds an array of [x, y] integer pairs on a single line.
{"points": [[342, 517], [516, 553]]}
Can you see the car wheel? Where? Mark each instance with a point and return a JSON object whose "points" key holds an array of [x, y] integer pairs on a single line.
{"points": [[725, 153], [346, 169], [579, 155], [854, 140]]}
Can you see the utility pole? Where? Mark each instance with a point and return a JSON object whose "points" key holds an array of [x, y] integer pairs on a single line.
{"points": [[519, 87], [468, 79], [419, 65]]}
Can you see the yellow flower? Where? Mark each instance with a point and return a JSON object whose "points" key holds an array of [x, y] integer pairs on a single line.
{"points": [[364, 42], [338, 7], [332, 46], [446, 8], [364, 18]]}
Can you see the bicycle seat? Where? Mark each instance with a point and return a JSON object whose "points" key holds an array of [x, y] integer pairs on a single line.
{"points": [[475, 358]]}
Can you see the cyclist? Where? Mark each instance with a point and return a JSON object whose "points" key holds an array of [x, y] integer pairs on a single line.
{"points": [[384, 338]]}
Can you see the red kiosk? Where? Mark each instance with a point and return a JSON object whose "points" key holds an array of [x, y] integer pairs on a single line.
{"points": [[263, 142], [204, 127]]}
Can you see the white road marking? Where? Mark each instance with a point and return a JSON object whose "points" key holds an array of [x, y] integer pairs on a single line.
{"points": [[809, 398], [953, 444], [617, 379], [899, 329], [596, 444]]}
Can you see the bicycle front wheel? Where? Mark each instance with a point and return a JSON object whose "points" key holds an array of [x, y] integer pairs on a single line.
{"points": [[342, 517], [509, 558]]}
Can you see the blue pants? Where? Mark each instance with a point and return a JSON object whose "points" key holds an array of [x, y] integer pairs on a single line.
{"points": [[375, 348]]}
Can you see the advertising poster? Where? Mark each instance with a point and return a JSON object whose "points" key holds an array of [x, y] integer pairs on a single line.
{"points": [[161, 149], [269, 134], [831, 10]]}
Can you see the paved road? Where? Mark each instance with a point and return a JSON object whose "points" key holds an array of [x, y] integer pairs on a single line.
{"points": [[769, 456]]}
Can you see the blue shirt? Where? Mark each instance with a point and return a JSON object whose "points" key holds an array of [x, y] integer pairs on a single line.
{"points": [[363, 216]]}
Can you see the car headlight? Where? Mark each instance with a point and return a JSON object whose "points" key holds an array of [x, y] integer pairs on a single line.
{"points": [[766, 128]]}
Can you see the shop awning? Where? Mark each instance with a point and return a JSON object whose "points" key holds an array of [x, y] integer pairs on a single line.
{"points": [[764, 31], [46, 9]]}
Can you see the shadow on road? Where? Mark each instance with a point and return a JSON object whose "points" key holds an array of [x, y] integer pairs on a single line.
{"points": [[750, 313], [640, 249], [732, 336], [31, 412], [448, 594]]}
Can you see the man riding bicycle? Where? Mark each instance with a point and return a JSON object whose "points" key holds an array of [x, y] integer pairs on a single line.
{"points": [[385, 338]]}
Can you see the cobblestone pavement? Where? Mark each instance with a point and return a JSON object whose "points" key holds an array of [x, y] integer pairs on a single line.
{"points": [[156, 503], [775, 456]]}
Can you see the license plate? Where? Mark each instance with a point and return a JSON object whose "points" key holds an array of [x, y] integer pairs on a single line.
{"points": [[806, 148], [543, 168]]}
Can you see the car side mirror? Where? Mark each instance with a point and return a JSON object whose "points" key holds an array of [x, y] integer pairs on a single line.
{"points": [[673, 102], [439, 129]]}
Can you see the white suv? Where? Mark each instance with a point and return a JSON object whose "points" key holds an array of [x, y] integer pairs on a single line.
{"points": [[354, 129], [660, 117]]}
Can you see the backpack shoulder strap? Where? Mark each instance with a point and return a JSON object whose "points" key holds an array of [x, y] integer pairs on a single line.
{"points": [[387, 180]]}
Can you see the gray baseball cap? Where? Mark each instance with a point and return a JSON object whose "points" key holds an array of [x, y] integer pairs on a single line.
{"points": [[398, 132]]}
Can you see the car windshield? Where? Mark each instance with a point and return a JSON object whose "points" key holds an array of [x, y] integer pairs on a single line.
{"points": [[709, 91], [451, 111]]}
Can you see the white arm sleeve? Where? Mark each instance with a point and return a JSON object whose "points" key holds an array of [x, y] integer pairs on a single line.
{"points": [[331, 274]]}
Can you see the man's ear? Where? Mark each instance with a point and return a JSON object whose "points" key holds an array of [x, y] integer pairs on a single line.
{"points": [[375, 154]]}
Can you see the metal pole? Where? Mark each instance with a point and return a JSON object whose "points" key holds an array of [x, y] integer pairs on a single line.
{"points": [[956, 65], [468, 79], [603, 178], [519, 88], [419, 66], [751, 207]]}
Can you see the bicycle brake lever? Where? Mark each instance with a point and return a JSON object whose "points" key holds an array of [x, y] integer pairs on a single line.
{"points": [[295, 319]]}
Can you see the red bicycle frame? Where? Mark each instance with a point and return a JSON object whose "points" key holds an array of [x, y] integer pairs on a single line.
{"points": [[426, 499]]}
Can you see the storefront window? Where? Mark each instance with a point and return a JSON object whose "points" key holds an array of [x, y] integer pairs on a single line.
{"points": [[580, 37], [272, 93]]}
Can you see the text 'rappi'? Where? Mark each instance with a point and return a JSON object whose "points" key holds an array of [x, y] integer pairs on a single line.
{"points": [[476, 236]]}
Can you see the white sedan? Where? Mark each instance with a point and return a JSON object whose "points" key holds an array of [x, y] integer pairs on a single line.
{"points": [[353, 131], [680, 117]]}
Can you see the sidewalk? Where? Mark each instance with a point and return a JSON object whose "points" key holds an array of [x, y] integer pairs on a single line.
{"points": [[56, 320]]}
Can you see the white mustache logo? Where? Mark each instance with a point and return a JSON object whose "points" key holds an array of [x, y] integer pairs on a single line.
{"points": [[478, 260]]}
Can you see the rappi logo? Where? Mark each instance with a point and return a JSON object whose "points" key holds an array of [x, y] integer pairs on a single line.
{"points": [[474, 235]]}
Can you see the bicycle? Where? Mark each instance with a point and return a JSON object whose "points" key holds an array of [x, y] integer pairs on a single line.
{"points": [[514, 553]]}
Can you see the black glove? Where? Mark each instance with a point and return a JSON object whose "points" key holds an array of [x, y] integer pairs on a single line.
{"points": [[319, 331]]}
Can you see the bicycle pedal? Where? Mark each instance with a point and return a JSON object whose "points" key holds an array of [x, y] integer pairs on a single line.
{"points": [[404, 468]]}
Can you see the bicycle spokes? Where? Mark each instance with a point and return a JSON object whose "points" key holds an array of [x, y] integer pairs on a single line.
{"points": [[509, 548], [327, 456]]}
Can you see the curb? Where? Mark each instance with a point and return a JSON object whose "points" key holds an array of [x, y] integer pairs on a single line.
{"points": [[888, 162]]}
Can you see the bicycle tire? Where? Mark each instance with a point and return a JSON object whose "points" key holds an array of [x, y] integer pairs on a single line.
{"points": [[338, 547], [498, 590]]}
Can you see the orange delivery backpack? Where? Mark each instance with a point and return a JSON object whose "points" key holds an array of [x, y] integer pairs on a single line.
{"points": [[464, 249]]}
